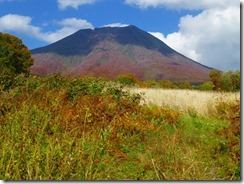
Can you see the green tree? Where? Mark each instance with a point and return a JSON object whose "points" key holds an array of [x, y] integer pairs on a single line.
{"points": [[215, 77], [14, 55], [236, 81], [230, 81], [15, 59]]}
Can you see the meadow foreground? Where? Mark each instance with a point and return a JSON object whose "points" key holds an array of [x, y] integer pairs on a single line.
{"points": [[55, 128]]}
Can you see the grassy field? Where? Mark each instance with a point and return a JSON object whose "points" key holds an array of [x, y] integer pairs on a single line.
{"points": [[202, 102], [89, 129]]}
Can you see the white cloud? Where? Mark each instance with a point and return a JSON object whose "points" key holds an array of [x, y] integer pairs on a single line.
{"points": [[63, 4], [116, 25], [69, 26], [22, 24], [183, 4], [158, 35], [211, 38], [19, 23], [76, 23], [179, 43]]}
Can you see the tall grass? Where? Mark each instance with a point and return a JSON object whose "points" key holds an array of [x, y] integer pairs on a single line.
{"points": [[89, 129], [201, 102]]}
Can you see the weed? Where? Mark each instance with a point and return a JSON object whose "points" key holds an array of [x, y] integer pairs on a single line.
{"points": [[56, 128]]}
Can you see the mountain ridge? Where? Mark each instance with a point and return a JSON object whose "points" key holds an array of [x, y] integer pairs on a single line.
{"points": [[105, 45]]}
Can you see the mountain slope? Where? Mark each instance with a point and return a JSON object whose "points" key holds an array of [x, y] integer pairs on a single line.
{"points": [[108, 52]]}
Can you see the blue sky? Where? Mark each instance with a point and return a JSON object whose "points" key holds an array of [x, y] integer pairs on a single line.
{"points": [[207, 31]]}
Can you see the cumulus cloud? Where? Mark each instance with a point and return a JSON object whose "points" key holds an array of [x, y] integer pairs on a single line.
{"points": [[179, 43], [63, 4], [19, 23], [211, 37], [76, 23], [22, 24], [116, 25], [69, 26], [182, 4], [158, 35]]}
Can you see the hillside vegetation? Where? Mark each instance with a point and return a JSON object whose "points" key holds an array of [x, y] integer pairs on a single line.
{"points": [[56, 128]]}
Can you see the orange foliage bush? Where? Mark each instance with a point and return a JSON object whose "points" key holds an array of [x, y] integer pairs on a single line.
{"points": [[232, 133]]}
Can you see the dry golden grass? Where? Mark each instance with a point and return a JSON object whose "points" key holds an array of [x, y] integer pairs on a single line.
{"points": [[200, 102]]}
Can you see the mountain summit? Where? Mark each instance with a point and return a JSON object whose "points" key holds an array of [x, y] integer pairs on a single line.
{"points": [[110, 51]]}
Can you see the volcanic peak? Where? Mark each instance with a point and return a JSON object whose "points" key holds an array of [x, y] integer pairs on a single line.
{"points": [[83, 41]]}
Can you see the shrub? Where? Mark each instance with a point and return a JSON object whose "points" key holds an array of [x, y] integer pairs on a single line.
{"points": [[127, 79], [225, 81], [230, 81], [215, 77], [56, 128], [151, 84], [230, 143], [55, 81], [166, 84], [161, 115], [206, 86], [184, 85], [85, 86]]}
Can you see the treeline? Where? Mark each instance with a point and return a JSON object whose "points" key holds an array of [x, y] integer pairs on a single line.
{"points": [[225, 81], [218, 81]]}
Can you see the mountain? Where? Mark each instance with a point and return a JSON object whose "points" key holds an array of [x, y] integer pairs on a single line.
{"points": [[110, 51]]}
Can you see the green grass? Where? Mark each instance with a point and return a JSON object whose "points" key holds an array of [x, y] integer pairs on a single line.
{"points": [[89, 129]]}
